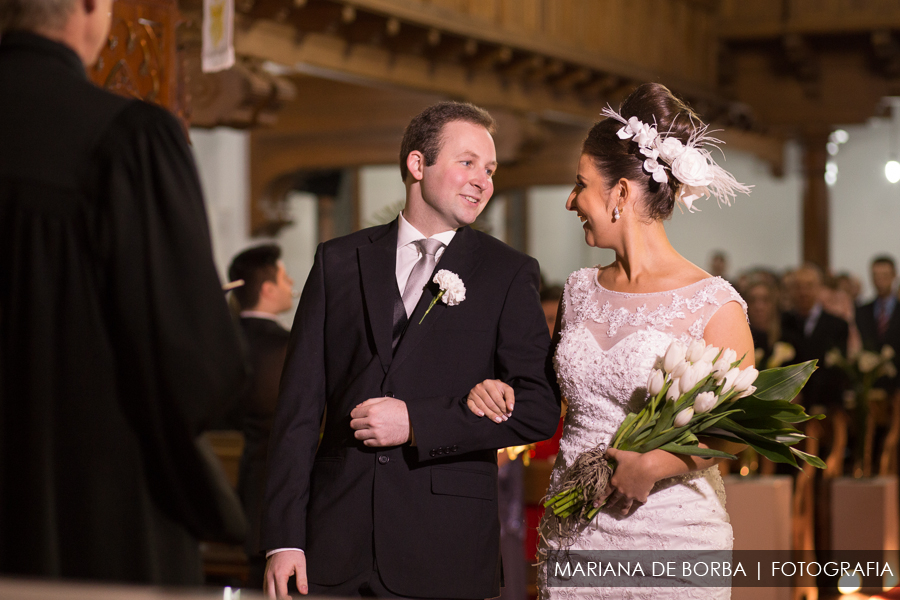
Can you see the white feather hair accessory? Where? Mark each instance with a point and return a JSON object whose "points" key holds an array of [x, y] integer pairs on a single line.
{"points": [[690, 164]]}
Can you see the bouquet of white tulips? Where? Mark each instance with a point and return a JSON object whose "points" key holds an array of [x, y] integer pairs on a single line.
{"points": [[695, 389]]}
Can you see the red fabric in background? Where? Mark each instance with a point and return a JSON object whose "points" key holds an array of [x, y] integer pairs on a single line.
{"points": [[546, 450]]}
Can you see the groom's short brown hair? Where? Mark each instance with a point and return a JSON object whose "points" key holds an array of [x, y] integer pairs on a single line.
{"points": [[424, 131]]}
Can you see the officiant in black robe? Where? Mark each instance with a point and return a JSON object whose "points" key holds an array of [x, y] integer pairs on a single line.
{"points": [[116, 344]]}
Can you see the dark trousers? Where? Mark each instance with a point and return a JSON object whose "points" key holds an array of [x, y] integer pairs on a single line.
{"points": [[365, 585]]}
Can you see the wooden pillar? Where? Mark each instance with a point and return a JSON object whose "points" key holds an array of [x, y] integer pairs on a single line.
{"points": [[517, 219], [816, 207]]}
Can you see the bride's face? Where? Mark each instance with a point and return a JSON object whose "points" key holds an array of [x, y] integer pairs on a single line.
{"points": [[593, 202]]}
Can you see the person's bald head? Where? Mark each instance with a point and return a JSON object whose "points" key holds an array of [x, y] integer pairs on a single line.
{"points": [[82, 25], [32, 15]]}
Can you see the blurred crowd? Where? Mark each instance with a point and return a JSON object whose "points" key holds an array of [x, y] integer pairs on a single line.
{"points": [[805, 313]]}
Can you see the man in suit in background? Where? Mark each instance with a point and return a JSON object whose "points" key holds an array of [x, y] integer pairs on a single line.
{"points": [[813, 332], [879, 320], [400, 499], [116, 344], [267, 292]]}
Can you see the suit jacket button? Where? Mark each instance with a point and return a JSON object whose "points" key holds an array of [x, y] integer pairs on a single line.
{"points": [[433, 453], [384, 459], [454, 448]]}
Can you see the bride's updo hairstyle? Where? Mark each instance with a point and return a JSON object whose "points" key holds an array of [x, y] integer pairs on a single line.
{"points": [[616, 158]]}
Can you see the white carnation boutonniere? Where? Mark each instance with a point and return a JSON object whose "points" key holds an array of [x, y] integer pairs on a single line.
{"points": [[452, 290]]}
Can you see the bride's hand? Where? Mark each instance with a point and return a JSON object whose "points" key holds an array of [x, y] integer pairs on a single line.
{"points": [[493, 399], [633, 480]]}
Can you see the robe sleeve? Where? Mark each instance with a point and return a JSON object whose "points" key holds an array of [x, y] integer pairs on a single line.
{"points": [[179, 359]]}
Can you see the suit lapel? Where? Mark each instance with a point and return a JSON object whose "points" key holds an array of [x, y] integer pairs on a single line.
{"points": [[377, 265], [461, 257]]}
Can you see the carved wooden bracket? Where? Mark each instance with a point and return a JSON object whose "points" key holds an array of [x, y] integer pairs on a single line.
{"points": [[141, 58]]}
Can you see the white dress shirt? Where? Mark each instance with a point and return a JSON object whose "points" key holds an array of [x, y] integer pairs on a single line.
{"points": [[408, 255]]}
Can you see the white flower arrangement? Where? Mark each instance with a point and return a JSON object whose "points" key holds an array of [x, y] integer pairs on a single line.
{"points": [[691, 165], [453, 291], [693, 390]]}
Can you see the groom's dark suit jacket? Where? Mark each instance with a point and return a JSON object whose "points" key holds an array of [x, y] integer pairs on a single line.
{"points": [[429, 512]]}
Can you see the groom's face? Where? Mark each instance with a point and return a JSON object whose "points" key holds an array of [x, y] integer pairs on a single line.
{"points": [[457, 187]]}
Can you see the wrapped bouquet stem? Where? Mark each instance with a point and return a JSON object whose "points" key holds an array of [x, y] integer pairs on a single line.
{"points": [[694, 390]]}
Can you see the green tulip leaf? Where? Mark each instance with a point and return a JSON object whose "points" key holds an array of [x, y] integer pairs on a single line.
{"points": [[809, 458], [692, 450], [783, 383]]}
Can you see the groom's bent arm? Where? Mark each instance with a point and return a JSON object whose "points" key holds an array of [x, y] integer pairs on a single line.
{"points": [[295, 430], [445, 426]]}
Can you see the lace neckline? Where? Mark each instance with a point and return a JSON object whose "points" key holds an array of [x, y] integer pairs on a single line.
{"points": [[705, 280]]}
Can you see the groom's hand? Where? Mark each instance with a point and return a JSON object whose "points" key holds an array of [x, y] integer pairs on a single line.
{"points": [[279, 569], [381, 422], [492, 399]]}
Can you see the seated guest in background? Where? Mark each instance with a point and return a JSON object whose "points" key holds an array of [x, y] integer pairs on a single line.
{"points": [[836, 301], [851, 285], [879, 320], [116, 343], [266, 293], [813, 332], [765, 320]]}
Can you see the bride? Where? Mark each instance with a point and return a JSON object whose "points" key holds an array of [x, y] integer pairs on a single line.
{"points": [[616, 320]]}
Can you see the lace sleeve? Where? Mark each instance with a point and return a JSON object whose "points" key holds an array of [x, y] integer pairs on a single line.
{"points": [[576, 291], [709, 300]]}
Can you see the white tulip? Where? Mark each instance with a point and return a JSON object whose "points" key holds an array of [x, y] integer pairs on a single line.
{"points": [[710, 354], [728, 355], [887, 352], [688, 380], [674, 355], [729, 379], [695, 351], [704, 402], [684, 417], [745, 379], [720, 369], [748, 392], [680, 368], [656, 382], [703, 368], [674, 393]]}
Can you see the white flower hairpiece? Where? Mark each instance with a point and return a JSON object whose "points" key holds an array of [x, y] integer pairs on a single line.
{"points": [[691, 164]]}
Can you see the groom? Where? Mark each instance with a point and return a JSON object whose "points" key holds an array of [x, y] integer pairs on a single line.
{"points": [[399, 499]]}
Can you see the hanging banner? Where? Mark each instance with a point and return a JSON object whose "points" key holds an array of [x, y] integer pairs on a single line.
{"points": [[218, 35]]}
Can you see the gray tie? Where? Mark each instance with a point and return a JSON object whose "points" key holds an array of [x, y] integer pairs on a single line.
{"points": [[421, 272]]}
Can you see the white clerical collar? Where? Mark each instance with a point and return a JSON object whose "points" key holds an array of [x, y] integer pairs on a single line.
{"points": [[258, 314], [407, 234]]}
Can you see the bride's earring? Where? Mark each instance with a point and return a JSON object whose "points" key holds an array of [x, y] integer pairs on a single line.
{"points": [[616, 214]]}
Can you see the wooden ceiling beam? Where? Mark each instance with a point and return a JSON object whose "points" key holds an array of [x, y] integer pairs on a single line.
{"points": [[431, 16], [815, 23]]}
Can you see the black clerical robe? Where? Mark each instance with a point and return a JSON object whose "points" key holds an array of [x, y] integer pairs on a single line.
{"points": [[115, 339]]}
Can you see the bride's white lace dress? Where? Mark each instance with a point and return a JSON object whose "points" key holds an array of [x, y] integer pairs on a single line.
{"points": [[610, 342]]}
